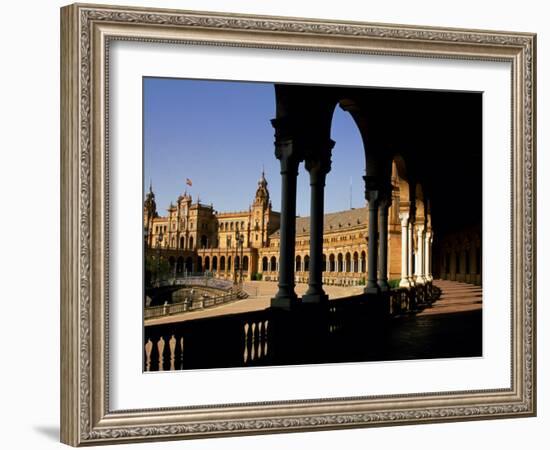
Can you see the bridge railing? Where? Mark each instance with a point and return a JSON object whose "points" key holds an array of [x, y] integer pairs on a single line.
{"points": [[189, 305], [193, 279]]}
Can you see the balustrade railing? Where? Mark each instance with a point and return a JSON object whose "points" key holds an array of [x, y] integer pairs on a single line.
{"points": [[226, 341]]}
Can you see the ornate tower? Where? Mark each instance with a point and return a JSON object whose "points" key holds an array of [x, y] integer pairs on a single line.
{"points": [[260, 210], [149, 213]]}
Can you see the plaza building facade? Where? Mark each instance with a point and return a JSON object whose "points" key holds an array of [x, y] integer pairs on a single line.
{"points": [[195, 238]]}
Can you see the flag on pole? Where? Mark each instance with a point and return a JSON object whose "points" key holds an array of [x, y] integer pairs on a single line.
{"points": [[188, 182]]}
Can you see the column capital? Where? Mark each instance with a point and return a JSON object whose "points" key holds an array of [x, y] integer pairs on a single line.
{"points": [[287, 153], [404, 217], [372, 197], [318, 156]]}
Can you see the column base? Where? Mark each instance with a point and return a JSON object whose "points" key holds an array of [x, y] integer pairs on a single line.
{"points": [[372, 290], [286, 303], [405, 283], [384, 286], [419, 280], [314, 298]]}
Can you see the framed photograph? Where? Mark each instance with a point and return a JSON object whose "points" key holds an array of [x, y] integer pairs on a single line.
{"points": [[277, 224]]}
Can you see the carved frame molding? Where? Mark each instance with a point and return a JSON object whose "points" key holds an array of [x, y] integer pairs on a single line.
{"points": [[86, 31]]}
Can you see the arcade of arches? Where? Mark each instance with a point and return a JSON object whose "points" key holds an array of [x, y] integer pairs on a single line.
{"points": [[423, 195]]}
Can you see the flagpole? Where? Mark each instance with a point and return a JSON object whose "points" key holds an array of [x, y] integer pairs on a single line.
{"points": [[350, 192]]}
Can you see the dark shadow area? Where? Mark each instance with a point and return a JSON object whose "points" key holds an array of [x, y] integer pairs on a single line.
{"points": [[361, 328]]}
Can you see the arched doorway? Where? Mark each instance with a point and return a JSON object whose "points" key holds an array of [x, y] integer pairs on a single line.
{"points": [[189, 264]]}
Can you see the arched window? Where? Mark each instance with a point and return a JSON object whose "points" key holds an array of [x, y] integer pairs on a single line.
{"points": [[179, 265], [222, 263], [363, 265], [190, 242], [355, 262], [229, 263], [204, 241], [273, 264], [237, 262], [298, 263], [214, 264], [306, 263], [348, 262], [207, 263], [340, 267], [324, 262], [182, 242], [199, 264], [245, 263], [264, 264]]}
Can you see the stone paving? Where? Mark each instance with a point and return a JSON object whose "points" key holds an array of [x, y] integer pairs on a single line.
{"points": [[260, 294], [455, 297]]}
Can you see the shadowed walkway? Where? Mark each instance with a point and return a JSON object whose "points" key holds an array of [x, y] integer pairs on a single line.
{"points": [[449, 328]]}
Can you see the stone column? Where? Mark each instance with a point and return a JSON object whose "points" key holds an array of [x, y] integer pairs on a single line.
{"points": [[410, 275], [372, 284], [419, 262], [404, 282], [286, 296], [318, 166], [384, 206], [428, 255]]}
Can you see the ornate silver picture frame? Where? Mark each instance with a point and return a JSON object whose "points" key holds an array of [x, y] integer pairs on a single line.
{"points": [[87, 413]]}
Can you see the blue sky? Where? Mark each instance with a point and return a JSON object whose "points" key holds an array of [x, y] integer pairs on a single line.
{"points": [[219, 135]]}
